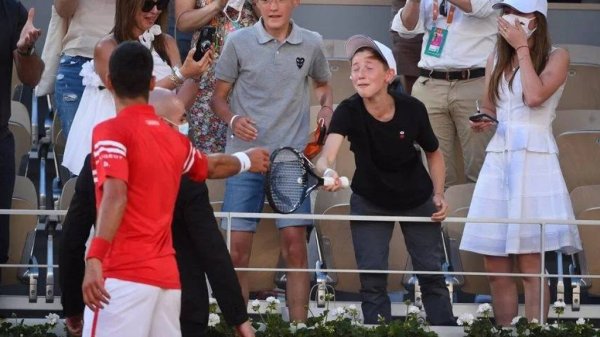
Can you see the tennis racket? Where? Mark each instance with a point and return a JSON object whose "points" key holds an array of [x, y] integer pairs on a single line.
{"points": [[291, 179]]}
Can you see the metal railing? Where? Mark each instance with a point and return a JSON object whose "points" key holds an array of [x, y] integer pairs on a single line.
{"points": [[228, 216]]}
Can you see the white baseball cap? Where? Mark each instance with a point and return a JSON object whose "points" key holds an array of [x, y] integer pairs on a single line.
{"points": [[525, 6], [356, 42]]}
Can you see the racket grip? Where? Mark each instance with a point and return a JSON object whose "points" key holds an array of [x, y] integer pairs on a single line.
{"points": [[328, 181]]}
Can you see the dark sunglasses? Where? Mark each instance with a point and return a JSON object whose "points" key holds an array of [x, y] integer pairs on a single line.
{"points": [[443, 8], [161, 5]]}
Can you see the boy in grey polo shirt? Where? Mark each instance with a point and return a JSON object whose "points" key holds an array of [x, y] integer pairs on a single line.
{"points": [[266, 69]]}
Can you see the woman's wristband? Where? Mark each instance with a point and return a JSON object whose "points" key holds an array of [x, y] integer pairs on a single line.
{"points": [[98, 248], [244, 161]]}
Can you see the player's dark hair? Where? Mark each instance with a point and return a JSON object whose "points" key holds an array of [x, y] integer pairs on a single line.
{"points": [[130, 70]]}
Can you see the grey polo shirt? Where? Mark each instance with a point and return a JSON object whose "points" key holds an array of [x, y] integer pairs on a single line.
{"points": [[270, 83]]}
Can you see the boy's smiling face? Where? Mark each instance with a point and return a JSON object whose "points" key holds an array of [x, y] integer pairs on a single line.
{"points": [[276, 14]]}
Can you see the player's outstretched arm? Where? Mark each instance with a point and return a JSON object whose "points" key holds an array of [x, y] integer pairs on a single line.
{"points": [[224, 165]]}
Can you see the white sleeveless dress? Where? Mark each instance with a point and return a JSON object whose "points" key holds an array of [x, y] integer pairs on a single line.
{"points": [[521, 179], [97, 105]]}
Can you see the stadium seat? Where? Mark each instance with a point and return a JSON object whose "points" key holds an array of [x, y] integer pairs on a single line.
{"points": [[578, 155], [20, 126], [66, 196], [583, 80], [344, 163], [24, 198], [575, 120], [337, 232], [586, 206], [459, 201], [265, 252], [216, 190]]}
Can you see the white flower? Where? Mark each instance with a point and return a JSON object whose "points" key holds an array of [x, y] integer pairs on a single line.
{"points": [[413, 309], [352, 307], [465, 319], [272, 300], [534, 321], [261, 326], [212, 301], [52, 318], [255, 305], [484, 308], [213, 320], [580, 321], [555, 325], [297, 326], [340, 312], [515, 320], [559, 304]]}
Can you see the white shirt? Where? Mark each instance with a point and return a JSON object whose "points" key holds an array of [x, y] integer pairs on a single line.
{"points": [[470, 40]]}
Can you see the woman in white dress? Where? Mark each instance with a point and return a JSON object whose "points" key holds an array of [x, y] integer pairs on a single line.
{"points": [[521, 177], [134, 20]]}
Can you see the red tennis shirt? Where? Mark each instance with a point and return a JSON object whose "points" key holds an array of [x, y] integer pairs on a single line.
{"points": [[139, 148]]}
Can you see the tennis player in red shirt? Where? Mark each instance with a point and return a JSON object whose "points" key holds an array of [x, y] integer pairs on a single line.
{"points": [[131, 284]]}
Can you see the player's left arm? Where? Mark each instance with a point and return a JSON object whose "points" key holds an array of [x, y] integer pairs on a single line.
{"points": [[110, 213]]}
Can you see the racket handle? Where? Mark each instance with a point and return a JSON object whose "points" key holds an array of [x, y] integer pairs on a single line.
{"points": [[328, 181]]}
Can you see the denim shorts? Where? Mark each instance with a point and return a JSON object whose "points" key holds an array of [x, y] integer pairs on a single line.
{"points": [[245, 192]]}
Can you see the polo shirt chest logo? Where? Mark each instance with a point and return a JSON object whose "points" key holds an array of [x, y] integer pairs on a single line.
{"points": [[299, 62]]}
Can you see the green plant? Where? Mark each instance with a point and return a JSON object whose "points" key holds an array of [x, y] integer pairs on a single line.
{"points": [[482, 325], [17, 328]]}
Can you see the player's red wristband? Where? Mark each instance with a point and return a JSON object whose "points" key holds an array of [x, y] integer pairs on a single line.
{"points": [[98, 249]]}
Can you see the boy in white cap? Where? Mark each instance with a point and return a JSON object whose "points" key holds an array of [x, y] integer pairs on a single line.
{"points": [[390, 179]]}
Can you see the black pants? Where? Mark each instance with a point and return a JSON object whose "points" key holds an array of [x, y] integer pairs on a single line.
{"points": [[7, 184], [371, 241]]}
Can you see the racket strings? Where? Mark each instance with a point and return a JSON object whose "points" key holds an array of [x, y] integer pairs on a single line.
{"points": [[287, 182]]}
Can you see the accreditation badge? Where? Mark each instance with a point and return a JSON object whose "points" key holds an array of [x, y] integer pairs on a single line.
{"points": [[436, 42]]}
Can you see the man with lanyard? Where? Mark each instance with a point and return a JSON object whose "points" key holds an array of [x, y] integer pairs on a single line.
{"points": [[459, 36]]}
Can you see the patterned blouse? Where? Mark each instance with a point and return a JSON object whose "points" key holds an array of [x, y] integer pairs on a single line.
{"points": [[208, 130]]}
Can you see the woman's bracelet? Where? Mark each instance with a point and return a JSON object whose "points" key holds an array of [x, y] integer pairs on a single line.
{"points": [[178, 73], [232, 120], [519, 47]]}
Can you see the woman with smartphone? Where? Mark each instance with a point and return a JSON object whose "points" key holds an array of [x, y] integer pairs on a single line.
{"points": [[203, 17], [521, 177], [137, 20]]}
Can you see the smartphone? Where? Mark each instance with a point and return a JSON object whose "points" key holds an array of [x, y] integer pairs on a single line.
{"points": [[482, 117], [206, 39]]}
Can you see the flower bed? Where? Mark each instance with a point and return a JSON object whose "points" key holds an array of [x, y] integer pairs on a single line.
{"points": [[346, 322]]}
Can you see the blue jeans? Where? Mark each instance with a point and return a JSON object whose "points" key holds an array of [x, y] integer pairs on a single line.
{"points": [[424, 243], [7, 183], [245, 193], [68, 89]]}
